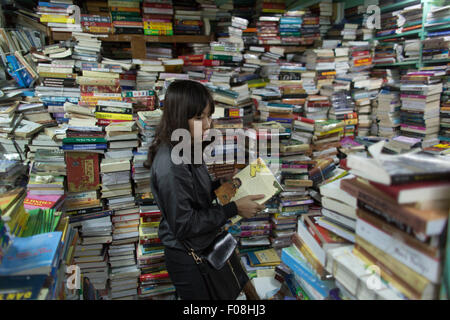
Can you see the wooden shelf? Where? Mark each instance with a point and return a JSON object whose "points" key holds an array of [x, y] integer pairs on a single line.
{"points": [[138, 41], [140, 37]]}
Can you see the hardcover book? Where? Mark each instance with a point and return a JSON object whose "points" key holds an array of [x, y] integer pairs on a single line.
{"points": [[82, 171]]}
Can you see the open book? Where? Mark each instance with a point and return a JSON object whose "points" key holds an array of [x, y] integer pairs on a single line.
{"points": [[254, 179]]}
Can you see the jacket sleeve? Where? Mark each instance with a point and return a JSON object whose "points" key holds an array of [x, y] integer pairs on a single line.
{"points": [[176, 191], [214, 185]]}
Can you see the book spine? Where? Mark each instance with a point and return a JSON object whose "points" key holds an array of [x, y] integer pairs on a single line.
{"points": [[366, 200], [409, 256], [414, 283], [85, 147], [303, 271], [84, 140]]}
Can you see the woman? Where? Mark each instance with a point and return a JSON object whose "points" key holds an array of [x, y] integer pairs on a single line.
{"points": [[185, 192]]}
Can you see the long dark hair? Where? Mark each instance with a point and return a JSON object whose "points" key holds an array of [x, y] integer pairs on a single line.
{"points": [[183, 100]]}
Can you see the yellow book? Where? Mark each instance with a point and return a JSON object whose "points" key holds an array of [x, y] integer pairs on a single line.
{"points": [[113, 116], [319, 134], [57, 19], [58, 75], [349, 122], [264, 258], [98, 74], [97, 81]]}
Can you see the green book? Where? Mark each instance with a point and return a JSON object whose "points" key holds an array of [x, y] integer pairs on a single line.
{"points": [[84, 140], [221, 57]]}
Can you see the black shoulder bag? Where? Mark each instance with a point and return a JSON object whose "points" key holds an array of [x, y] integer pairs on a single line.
{"points": [[220, 267]]}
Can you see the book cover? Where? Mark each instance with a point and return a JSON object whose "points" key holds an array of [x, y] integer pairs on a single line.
{"points": [[42, 201], [31, 255], [82, 171]]}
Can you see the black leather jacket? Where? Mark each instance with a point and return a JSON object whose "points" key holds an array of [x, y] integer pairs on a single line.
{"points": [[185, 194]]}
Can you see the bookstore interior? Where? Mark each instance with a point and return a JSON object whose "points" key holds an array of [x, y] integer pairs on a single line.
{"points": [[352, 96]]}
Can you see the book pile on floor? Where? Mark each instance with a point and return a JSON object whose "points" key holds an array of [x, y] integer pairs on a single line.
{"points": [[154, 281]]}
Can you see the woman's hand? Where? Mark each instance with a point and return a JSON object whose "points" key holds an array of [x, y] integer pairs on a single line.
{"points": [[247, 207]]}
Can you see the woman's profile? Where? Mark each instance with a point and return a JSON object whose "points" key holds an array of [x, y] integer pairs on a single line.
{"points": [[185, 193]]}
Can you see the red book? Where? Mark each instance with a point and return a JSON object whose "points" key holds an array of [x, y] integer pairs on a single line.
{"points": [[416, 191], [360, 53], [149, 16], [303, 119], [157, 5], [83, 172], [154, 276]]}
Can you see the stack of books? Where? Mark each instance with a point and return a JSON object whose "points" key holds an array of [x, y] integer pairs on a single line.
{"points": [[96, 24], [436, 46], [338, 209], [58, 15], [157, 17], [421, 93], [324, 10], [91, 250], [388, 113], [154, 279], [392, 182], [444, 133], [268, 29], [188, 18], [126, 16]]}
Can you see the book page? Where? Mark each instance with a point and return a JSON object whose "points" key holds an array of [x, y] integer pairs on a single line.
{"points": [[254, 179]]}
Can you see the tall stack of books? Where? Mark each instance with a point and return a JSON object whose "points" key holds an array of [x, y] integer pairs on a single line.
{"points": [[393, 183], [91, 254], [154, 280], [444, 133], [317, 107], [388, 113], [126, 16], [157, 17], [421, 93]]}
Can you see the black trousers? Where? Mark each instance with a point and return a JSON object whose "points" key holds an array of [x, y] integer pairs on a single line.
{"points": [[186, 276]]}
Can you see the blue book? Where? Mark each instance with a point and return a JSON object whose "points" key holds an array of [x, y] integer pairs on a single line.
{"points": [[52, 4], [32, 255], [294, 260], [91, 146]]}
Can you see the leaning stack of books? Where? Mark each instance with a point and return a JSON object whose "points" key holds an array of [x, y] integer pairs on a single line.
{"points": [[444, 133], [399, 198]]}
